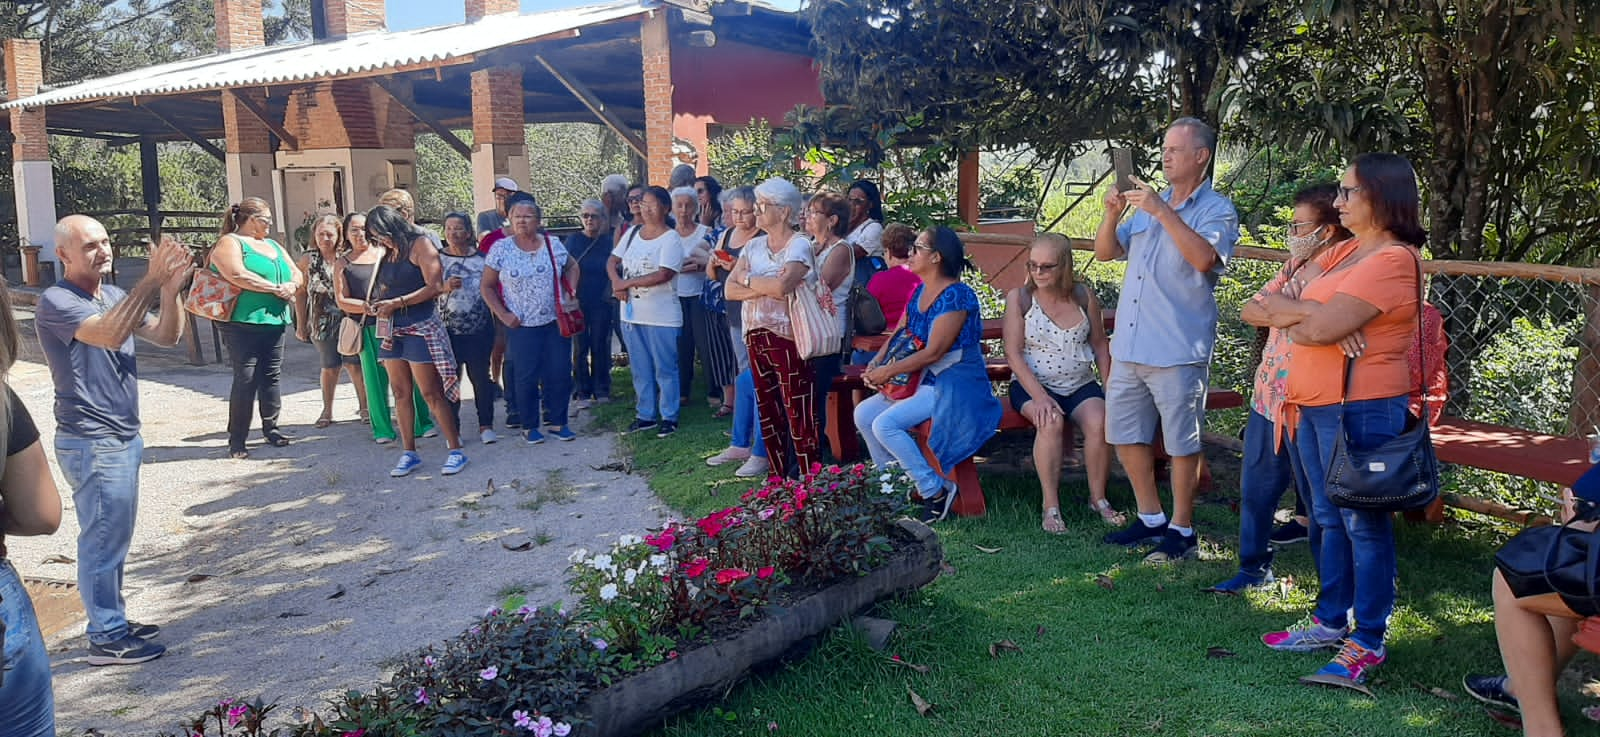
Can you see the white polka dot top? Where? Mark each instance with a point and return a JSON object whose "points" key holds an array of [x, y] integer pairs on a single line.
{"points": [[1060, 357]]}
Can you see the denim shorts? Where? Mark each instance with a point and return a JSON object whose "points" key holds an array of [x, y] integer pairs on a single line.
{"points": [[411, 348], [1068, 403], [328, 352]]}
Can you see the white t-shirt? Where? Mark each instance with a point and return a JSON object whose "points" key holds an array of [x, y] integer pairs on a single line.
{"points": [[869, 236], [657, 305], [692, 284], [841, 293], [527, 282], [766, 312]]}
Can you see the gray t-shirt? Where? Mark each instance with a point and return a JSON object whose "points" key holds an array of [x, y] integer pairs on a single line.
{"points": [[490, 220], [97, 394]]}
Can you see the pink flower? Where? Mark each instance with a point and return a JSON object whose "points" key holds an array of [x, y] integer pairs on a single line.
{"points": [[599, 644], [816, 468], [772, 726], [358, 733], [429, 661], [672, 654], [562, 729], [489, 673], [521, 719], [696, 567], [663, 541], [235, 714], [765, 572], [731, 575], [766, 514], [422, 696], [833, 469], [710, 527], [859, 468], [544, 727]]}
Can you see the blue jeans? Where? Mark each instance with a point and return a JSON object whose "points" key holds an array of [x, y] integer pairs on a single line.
{"points": [[653, 358], [886, 425], [1356, 552], [746, 417], [27, 705], [1266, 473], [542, 361], [104, 476], [591, 353]]}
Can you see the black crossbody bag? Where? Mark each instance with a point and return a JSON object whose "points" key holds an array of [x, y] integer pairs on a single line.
{"points": [[1400, 474]]}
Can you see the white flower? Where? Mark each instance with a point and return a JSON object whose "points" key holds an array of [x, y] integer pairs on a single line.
{"points": [[884, 478], [578, 556], [658, 562], [629, 575], [608, 592], [627, 540], [887, 489], [600, 562]]}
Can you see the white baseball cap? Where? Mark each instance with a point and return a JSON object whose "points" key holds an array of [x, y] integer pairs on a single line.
{"points": [[506, 183]]}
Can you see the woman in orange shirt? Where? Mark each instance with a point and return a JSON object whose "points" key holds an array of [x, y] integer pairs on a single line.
{"points": [[1362, 307]]}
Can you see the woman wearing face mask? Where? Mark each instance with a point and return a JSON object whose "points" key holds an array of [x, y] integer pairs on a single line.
{"points": [[1266, 472]]}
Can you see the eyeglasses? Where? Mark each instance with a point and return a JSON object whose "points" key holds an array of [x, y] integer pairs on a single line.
{"points": [[1042, 268], [265, 220], [742, 213], [925, 248], [589, 215], [1298, 228], [765, 206], [634, 199], [1346, 193]]}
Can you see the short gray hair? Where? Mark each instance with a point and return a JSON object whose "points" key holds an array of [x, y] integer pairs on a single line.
{"points": [[742, 194], [615, 184], [592, 203], [1204, 134], [684, 192], [682, 176], [782, 193]]}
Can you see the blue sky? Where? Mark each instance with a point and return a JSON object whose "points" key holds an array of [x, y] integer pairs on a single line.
{"points": [[408, 14]]}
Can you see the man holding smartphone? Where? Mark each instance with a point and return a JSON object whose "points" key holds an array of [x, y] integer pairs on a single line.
{"points": [[1176, 245]]}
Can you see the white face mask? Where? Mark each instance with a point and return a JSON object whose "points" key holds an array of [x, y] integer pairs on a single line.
{"points": [[1302, 246]]}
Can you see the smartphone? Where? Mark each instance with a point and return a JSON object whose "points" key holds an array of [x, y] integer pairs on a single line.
{"points": [[1122, 164]]}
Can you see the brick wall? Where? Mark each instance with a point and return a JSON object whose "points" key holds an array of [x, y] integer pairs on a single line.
{"points": [[347, 113], [245, 134], [657, 53], [24, 74], [482, 8], [497, 113], [239, 25], [354, 16]]}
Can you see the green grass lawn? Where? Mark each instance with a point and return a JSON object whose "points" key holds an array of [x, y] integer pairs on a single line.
{"points": [[1108, 646]]}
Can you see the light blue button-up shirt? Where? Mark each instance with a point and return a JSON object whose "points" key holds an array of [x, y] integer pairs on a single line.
{"points": [[1167, 312]]}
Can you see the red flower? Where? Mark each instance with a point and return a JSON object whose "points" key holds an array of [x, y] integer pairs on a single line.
{"points": [[710, 527], [833, 469], [662, 542], [800, 497], [696, 567], [859, 468], [765, 572], [730, 575]]}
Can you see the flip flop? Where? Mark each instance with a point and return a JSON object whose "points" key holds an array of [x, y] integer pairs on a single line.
{"points": [[1107, 514], [1052, 521], [323, 422]]}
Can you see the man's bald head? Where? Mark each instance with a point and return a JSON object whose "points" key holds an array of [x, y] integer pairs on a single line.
{"points": [[83, 247]]}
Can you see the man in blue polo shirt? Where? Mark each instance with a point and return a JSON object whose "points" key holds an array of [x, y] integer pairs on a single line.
{"points": [[86, 329], [1176, 245]]}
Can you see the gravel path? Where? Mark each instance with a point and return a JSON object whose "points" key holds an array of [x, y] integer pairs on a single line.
{"points": [[299, 572]]}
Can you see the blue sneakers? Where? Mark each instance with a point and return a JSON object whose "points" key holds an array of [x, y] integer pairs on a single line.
{"points": [[1242, 582], [409, 461], [534, 437], [1307, 635], [1350, 667], [1136, 533], [454, 462], [564, 433]]}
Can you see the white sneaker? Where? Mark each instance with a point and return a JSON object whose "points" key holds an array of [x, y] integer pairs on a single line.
{"points": [[756, 466], [432, 432], [729, 455], [488, 437], [384, 441]]}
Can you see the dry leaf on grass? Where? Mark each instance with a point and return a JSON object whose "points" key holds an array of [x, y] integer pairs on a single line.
{"points": [[1038, 633], [197, 577], [1105, 582], [913, 666], [57, 558], [990, 551], [337, 593], [1219, 652], [923, 707], [999, 647], [1443, 694], [946, 569], [519, 547]]}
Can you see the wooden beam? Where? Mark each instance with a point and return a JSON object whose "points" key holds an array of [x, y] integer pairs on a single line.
{"points": [[445, 134], [150, 186], [260, 113], [196, 139], [594, 104]]}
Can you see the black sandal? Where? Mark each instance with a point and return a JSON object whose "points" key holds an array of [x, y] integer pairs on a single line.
{"points": [[277, 439]]}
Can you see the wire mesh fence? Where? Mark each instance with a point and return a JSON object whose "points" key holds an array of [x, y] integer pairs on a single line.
{"points": [[1519, 352]]}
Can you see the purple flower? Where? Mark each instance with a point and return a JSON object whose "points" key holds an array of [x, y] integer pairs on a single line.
{"points": [[429, 661], [235, 714], [544, 728], [562, 729], [422, 696], [521, 719], [489, 673], [493, 611], [599, 644]]}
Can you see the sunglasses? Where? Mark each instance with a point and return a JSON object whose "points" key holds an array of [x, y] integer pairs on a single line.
{"points": [[1042, 268], [589, 215], [634, 199]]}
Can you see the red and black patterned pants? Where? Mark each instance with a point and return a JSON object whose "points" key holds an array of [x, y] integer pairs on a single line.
{"points": [[784, 386]]}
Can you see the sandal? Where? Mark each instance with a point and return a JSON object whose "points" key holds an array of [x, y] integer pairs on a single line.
{"points": [[1052, 521], [277, 439], [323, 421], [722, 411], [363, 415], [1107, 514], [239, 454]]}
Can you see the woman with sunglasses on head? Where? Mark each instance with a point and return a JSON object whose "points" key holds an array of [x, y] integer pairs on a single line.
{"points": [[1055, 340], [317, 315], [953, 390], [352, 275], [250, 260]]}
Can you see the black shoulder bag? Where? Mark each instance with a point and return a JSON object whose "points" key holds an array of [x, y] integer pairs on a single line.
{"points": [[1398, 475], [1562, 560]]}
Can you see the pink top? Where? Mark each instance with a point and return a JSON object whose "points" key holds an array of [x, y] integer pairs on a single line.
{"points": [[892, 288]]}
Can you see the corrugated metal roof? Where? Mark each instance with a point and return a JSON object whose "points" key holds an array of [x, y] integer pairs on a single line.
{"points": [[359, 53]]}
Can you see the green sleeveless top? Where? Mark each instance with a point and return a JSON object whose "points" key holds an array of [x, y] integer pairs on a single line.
{"points": [[258, 308]]}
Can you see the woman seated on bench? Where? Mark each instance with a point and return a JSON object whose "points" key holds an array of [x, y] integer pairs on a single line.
{"points": [[953, 389], [1055, 338], [1535, 626]]}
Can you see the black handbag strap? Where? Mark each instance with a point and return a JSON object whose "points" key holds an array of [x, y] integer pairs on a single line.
{"points": [[1422, 380]]}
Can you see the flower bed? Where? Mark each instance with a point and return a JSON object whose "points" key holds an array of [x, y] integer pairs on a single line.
{"points": [[660, 621]]}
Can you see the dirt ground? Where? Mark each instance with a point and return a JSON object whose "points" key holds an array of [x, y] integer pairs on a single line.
{"points": [[301, 571]]}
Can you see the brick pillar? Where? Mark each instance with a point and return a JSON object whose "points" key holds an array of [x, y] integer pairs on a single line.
{"points": [[354, 16], [30, 152], [239, 25], [968, 204], [657, 52], [248, 160], [499, 143], [479, 9]]}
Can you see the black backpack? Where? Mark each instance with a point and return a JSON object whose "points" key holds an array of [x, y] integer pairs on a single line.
{"points": [[866, 315]]}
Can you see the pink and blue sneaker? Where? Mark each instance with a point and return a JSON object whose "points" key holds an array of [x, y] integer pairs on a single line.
{"points": [[1351, 667], [1305, 636]]}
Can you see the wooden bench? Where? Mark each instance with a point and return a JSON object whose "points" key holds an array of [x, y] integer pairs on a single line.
{"points": [[1556, 459]]}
